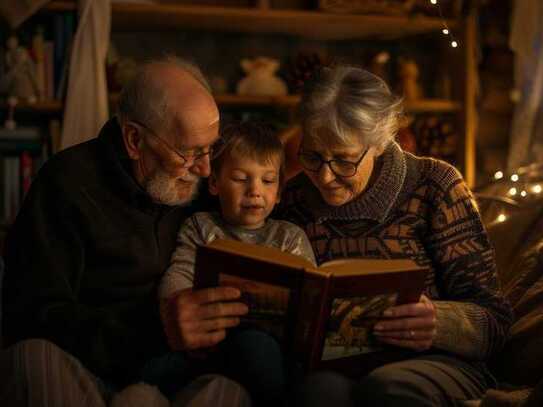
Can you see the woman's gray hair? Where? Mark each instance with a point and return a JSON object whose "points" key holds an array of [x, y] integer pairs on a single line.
{"points": [[145, 99], [348, 100]]}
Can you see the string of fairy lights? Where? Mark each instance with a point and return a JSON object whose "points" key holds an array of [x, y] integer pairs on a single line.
{"points": [[522, 186], [445, 30], [524, 181]]}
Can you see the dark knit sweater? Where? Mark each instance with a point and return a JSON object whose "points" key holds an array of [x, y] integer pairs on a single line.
{"points": [[84, 258], [418, 208]]}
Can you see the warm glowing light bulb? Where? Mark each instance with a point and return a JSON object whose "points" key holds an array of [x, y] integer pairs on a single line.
{"points": [[445, 31], [433, 1], [513, 191], [536, 189], [501, 218], [523, 193], [498, 175], [514, 177]]}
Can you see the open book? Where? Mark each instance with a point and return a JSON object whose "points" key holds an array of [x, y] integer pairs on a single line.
{"points": [[323, 316]]}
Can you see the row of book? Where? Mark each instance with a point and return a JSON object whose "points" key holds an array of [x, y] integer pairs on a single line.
{"points": [[50, 49], [22, 152]]}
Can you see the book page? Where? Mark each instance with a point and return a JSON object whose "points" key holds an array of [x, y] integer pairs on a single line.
{"points": [[356, 266], [256, 252], [267, 303], [350, 327]]}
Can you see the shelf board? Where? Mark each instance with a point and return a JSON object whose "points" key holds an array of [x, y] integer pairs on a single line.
{"points": [[233, 100], [432, 106], [311, 24], [45, 106], [289, 101]]}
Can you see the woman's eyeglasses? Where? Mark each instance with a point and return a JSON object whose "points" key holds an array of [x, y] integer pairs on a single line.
{"points": [[188, 157], [312, 161]]}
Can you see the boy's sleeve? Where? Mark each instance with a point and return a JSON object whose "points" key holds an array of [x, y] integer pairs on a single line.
{"points": [[178, 276], [180, 273], [301, 246]]}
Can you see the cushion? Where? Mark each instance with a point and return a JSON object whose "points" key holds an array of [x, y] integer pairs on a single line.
{"points": [[512, 237], [521, 361], [518, 244]]}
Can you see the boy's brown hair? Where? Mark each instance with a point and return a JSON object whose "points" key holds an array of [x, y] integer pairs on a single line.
{"points": [[250, 139]]}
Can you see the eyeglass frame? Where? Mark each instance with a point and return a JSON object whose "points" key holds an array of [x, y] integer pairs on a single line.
{"points": [[211, 153], [329, 163]]}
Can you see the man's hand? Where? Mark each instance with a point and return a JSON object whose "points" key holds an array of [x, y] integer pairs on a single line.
{"points": [[202, 316], [410, 325]]}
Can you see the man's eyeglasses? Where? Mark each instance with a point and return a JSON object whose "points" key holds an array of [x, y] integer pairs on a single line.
{"points": [[312, 161], [188, 157]]}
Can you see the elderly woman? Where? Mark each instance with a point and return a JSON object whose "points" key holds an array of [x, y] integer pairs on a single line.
{"points": [[360, 195]]}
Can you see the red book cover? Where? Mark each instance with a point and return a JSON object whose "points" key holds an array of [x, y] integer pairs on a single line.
{"points": [[26, 171]]}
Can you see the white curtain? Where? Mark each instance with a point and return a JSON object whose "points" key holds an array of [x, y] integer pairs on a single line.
{"points": [[86, 108], [526, 140]]}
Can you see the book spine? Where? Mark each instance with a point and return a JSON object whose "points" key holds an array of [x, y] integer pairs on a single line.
{"points": [[7, 181], [48, 62], [12, 199], [309, 336], [26, 172], [38, 52], [59, 49], [69, 21], [55, 135]]}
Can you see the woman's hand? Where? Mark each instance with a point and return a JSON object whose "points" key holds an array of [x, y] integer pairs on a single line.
{"points": [[410, 325]]}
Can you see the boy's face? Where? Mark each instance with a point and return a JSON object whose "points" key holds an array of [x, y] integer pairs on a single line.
{"points": [[247, 189]]}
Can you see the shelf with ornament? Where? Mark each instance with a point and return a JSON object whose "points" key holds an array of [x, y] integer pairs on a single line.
{"points": [[234, 100], [41, 106], [312, 24]]}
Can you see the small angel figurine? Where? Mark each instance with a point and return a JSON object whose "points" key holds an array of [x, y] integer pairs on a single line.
{"points": [[20, 76]]}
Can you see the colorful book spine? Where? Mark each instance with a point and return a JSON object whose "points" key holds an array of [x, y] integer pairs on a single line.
{"points": [[26, 172], [38, 51]]}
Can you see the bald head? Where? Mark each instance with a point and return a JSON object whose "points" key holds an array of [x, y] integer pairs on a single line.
{"points": [[168, 117], [189, 103], [166, 95]]}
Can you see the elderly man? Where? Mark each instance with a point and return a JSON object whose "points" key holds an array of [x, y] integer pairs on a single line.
{"points": [[90, 243]]}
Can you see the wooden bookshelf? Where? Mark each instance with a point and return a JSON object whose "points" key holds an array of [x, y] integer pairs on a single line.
{"points": [[233, 100], [46, 106], [317, 25], [301, 23]]}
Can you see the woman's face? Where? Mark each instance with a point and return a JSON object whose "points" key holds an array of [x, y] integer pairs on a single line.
{"points": [[338, 190]]}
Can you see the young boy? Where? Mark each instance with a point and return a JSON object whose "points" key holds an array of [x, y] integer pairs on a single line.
{"points": [[247, 178]]}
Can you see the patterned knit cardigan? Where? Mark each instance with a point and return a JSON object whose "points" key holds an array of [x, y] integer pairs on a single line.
{"points": [[418, 208]]}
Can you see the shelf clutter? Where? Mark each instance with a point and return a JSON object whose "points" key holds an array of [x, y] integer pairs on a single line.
{"points": [[232, 100], [441, 122], [312, 24]]}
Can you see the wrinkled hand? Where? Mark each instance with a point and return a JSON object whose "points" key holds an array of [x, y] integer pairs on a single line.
{"points": [[409, 325], [202, 316]]}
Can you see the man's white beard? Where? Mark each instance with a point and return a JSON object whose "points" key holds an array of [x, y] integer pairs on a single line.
{"points": [[164, 189]]}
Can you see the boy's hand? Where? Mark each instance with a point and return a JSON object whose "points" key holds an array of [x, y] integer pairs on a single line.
{"points": [[202, 316], [410, 325]]}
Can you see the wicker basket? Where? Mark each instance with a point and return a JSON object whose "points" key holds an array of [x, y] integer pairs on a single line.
{"points": [[367, 6]]}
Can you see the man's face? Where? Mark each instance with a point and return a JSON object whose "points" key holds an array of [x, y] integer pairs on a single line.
{"points": [[175, 161], [247, 189]]}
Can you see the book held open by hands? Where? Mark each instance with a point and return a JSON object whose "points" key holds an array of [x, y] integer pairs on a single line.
{"points": [[323, 316]]}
